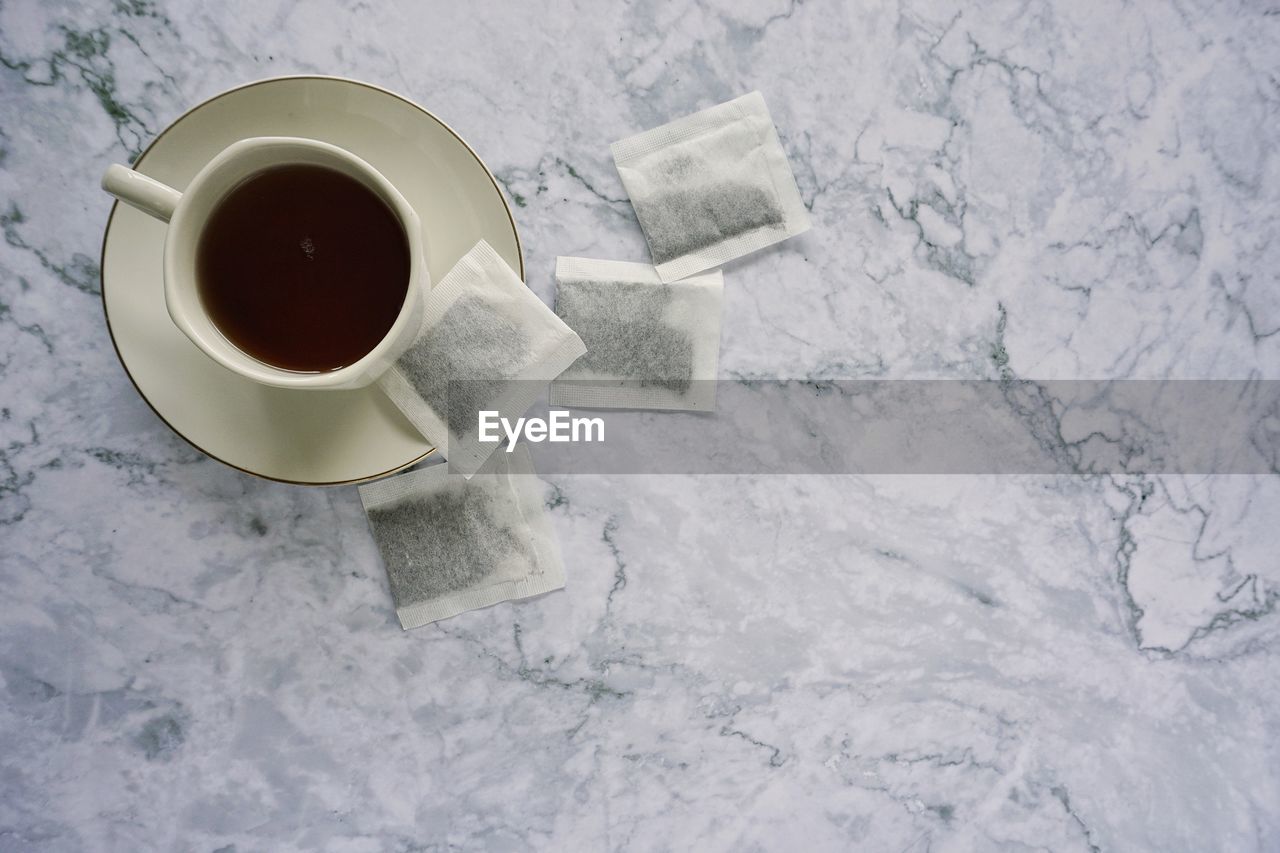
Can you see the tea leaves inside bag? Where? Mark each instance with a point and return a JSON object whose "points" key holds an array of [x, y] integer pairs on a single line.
{"points": [[650, 344], [487, 343], [470, 342], [626, 336], [450, 544], [711, 187], [456, 534], [684, 220]]}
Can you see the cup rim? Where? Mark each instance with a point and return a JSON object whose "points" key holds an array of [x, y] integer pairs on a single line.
{"points": [[259, 371]]}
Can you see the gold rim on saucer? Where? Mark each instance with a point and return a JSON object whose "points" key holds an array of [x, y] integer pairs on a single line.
{"points": [[140, 161]]}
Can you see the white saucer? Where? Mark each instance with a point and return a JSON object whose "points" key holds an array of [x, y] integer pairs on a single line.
{"points": [[306, 437]]}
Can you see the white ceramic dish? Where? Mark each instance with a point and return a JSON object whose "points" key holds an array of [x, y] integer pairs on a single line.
{"points": [[304, 437]]}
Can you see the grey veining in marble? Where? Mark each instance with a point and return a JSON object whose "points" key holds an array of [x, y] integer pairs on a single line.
{"points": [[192, 659]]}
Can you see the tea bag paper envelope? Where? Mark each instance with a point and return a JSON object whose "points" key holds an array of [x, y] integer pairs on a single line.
{"points": [[451, 544], [487, 343], [650, 345], [711, 187]]}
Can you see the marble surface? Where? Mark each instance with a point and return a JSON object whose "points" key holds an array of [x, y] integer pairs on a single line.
{"points": [[192, 659]]}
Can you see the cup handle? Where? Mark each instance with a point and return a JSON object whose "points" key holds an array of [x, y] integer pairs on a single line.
{"points": [[137, 190]]}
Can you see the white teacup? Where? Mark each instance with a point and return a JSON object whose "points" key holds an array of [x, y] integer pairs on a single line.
{"points": [[187, 212]]}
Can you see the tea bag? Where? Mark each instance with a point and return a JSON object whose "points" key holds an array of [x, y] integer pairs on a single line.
{"points": [[451, 544], [711, 187], [487, 343], [650, 345]]}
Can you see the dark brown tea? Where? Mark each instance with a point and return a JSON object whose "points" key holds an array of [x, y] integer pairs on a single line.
{"points": [[303, 268]]}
